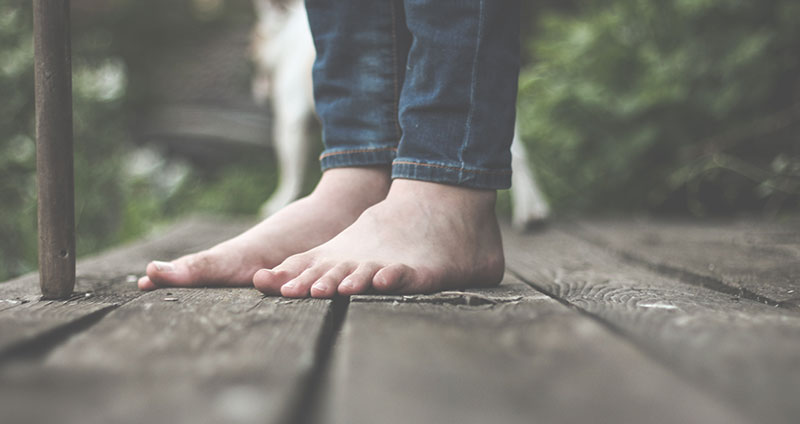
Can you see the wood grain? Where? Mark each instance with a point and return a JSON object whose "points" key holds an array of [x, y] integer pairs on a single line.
{"points": [[190, 356], [104, 281], [510, 355], [23, 324], [755, 259], [743, 350]]}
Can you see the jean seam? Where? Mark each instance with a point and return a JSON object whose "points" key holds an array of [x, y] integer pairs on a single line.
{"points": [[351, 151], [461, 168], [473, 85], [395, 115]]}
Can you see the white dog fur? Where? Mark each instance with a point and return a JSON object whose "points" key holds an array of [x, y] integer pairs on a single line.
{"points": [[283, 54]]}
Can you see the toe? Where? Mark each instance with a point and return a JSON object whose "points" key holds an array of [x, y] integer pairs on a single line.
{"points": [[359, 281], [269, 281], [393, 278], [207, 268], [180, 272], [325, 286], [301, 285], [166, 273], [145, 284]]}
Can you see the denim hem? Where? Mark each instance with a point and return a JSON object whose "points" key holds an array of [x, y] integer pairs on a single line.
{"points": [[488, 179], [344, 157]]}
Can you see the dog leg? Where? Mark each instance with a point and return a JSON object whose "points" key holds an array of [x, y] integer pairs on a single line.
{"points": [[291, 142], [529, 205]]}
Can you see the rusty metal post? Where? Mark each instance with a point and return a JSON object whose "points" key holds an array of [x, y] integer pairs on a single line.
{"points": [[54, 164]]}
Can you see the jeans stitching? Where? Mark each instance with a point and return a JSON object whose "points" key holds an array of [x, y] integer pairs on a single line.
{"points": [[473, 85], [395, 71], [346, 152], [432, 165]]}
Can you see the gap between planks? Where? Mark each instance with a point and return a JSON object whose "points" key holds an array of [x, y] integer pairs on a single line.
{"points": [[53, 346], [211, 355], [513, 356], [742, 350], [749, 259], [105, 281]]}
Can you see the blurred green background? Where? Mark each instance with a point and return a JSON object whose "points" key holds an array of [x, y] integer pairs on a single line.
{"points": [[677, 107]]}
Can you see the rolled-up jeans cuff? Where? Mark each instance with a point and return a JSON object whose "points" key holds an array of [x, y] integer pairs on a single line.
{"points": [[357, 156], [454, 174]]}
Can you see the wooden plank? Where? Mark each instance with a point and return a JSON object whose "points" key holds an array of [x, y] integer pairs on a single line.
{"points": [[744, 350], [754, 259], [509, 354], [23, 325], [104, 281], [190, 356], [54, 174]]}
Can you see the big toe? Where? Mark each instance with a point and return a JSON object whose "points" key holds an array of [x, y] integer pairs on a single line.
{"points": [[194, 270], [270, 281], [396, 279], [175, 273], [145, 284]]}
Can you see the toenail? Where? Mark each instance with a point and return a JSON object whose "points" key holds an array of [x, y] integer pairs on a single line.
{"points": [[164, 266], [318, 286], [289, 285], [348, 284]]}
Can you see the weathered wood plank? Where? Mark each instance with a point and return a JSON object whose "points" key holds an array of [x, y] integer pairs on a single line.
{"points": [[109, 279], [759, 259], [510, 355], [21, 325], [211, 355], [744, 350]]}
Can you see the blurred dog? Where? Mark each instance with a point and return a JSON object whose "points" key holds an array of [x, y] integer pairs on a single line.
{"points": [[283, 54]]}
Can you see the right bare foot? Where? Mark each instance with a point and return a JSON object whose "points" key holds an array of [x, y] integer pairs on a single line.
{"points": [[340, 197]]}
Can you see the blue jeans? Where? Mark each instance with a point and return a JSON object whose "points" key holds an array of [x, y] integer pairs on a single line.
{"points": [[428, 86]]}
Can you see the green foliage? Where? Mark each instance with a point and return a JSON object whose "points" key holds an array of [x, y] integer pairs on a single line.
{"points": [[237, 189], [17, 148], [681, 105]]}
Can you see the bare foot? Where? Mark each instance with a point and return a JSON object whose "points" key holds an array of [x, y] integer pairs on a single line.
{"points": [[422, 238], [340, 197]]}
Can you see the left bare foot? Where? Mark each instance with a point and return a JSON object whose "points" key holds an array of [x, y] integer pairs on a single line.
{"points": [[340, 197], [423, 237]]}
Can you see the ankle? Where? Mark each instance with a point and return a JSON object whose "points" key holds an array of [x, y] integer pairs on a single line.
{"points": [[360, 186], [447, 195]]}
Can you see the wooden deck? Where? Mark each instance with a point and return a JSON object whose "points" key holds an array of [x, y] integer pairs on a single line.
{"points": [[598, 321]]}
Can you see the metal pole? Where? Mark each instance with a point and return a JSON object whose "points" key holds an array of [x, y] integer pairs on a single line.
{"points": [[54, 167]]}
